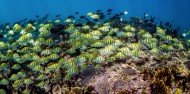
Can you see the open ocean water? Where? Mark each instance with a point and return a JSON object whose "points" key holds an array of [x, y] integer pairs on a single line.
{"points": [[174, 11]]}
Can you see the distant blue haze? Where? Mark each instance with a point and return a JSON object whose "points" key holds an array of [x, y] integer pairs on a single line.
{"points": [[175, 11]]}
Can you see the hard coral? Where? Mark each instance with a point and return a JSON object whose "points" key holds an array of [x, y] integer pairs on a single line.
{"points": [[118, 77], [80, 90]]}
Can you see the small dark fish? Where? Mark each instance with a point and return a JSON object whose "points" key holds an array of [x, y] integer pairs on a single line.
{"points": [[101, 15], [37, 16], [1, 36], [178, 28], [95, 20], [168, 31], [174, 32], [108, 13], [150, 25], [16, 23], [116, 15], [76, 12], [98, 10], [58, 15], [146, 21], [98, 13], [132, 18], [170, 26], [106, 21], [90, 23], [167, 24], [31, 21], [82, 17], [57, 29], [152, 20], [46, 22], [7, 24], [78, 25], [71, 16], [86, 19], [109, 10], [122, 13]]}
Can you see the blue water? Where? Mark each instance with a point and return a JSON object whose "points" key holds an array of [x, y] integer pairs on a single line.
{"points": [[174, 11]]}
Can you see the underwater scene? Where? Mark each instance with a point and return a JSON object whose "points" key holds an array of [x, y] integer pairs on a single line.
{"points": [[94, 47]]}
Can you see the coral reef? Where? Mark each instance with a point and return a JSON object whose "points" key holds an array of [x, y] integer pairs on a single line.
{"points": [[118, 77]]}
